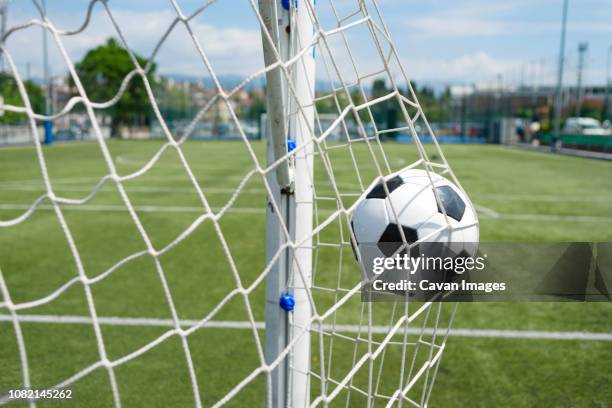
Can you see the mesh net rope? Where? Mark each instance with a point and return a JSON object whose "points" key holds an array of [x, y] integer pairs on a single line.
{"points": [[415, 333]]}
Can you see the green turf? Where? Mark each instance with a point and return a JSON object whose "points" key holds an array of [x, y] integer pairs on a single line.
{"points": [[35, 259]]}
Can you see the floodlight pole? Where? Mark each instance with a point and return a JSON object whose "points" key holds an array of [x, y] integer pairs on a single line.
{"points": [[289, 126], [582, 49], [606, 114], [558, 93]]}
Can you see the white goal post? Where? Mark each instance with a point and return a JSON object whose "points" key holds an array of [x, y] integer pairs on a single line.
{"points": [[323, 345], [291, 107]]}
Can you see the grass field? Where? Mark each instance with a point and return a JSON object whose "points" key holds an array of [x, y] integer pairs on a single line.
{"points": [[521, 196]]}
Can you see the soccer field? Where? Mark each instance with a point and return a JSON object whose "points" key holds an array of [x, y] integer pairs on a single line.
{"points": [[521, 197]]}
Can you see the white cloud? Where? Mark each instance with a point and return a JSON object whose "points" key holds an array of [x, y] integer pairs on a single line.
{"points": [[489, 18], [466, 68], [231, 50], [456, 27], [474, 18]]}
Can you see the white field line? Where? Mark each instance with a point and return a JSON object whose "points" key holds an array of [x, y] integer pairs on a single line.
{"points": [[28, 186], [93, 180], [554, 218], [345, 328], [85, 185], [485, 212], [142, 208], [36, 185], [137, 189], [544, 197]]}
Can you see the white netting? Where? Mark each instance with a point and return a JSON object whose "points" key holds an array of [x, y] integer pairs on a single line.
{"points": [[394, 349]]}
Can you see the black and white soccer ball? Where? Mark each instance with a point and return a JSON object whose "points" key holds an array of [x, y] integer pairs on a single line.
{"points": [[449, 221]]}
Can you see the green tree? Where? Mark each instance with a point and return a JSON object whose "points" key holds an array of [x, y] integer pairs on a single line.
{"points": [[436, 107], [335, 105], [10, 92], [380, 111], [590, 109], [386, 113], [102, 70]]}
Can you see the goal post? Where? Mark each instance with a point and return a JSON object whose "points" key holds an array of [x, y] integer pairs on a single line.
{"points": [[302, 130], [290, 101]]}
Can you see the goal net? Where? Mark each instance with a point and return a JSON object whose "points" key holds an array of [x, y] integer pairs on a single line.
{"points": [[271, 315]]}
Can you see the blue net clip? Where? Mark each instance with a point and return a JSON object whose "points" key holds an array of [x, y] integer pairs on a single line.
{"points": [[287, 302], [286, 4], [291, 145]]}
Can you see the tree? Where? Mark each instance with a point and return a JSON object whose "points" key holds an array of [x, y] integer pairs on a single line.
{"points": [[380, 110], [335, 105], [102, 71], [386, 113], [591, 109], [8, 89]]}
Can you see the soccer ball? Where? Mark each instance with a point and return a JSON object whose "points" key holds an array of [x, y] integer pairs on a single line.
{"points": [[412, 206]]}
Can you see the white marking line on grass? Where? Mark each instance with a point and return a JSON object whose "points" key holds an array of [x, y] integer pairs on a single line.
{"points": [[143, 208], [544, 197], [347, 328], [81, 180], [136, 189], [488, 213], [37, 185], [552, 218]]}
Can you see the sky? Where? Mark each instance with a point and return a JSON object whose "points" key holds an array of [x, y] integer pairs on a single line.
{"points": [[439, 41]]}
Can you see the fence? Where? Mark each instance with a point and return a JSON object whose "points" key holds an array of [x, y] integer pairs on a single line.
{"points": [[18, 134]]}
